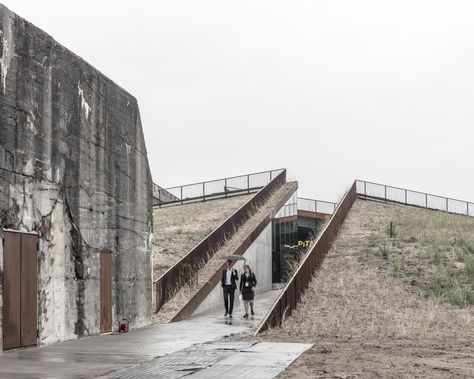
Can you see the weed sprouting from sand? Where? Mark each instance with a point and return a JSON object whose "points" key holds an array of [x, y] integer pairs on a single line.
{"points": [[385, 250], [431, 250]]}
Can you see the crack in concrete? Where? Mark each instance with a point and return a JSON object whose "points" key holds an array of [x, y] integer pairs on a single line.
{"points": [[80, 328]]}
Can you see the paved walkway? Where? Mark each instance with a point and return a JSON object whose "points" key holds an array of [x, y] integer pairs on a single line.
{"points": [[102, 356], [232, 360]]}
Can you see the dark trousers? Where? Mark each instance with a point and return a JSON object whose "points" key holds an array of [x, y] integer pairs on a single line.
{"points": [[228, 296]]}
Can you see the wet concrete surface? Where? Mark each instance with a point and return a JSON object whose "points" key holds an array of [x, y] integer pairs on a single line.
{"points": [[102, 356], [252, 359]]}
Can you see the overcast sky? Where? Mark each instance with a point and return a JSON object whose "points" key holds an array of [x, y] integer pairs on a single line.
{"points": [[331, 90]]}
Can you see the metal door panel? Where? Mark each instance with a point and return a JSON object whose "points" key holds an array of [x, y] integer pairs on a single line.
{"points": [[29, 290], [11, 290], [105, 291]]}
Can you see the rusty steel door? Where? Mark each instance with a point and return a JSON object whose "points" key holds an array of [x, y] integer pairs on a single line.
{"points": [[29, 290], [11, 290], [105, 291], [20, 284]]}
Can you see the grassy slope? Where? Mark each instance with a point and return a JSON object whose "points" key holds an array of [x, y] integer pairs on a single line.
{"points": [[431, 250], [178, 229], [375, 308]]}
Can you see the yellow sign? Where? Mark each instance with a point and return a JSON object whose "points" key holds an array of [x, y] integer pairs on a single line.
{"points": [[301, 245], [304, 243]]}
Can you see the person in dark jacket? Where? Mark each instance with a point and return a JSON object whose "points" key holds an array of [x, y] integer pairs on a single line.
{"points": [[248, 282], [229, 285]]}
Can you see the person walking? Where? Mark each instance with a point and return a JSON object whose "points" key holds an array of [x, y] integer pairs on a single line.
{"points": [[229, 285], [248, 282]]}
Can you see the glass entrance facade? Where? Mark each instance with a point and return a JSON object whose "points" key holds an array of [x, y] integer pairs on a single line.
{"points": [[284, 244]]}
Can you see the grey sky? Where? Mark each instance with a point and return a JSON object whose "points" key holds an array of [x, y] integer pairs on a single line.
{"points": [[332, 90]]}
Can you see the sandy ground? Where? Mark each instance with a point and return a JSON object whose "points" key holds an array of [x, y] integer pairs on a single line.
{"points": [[179, 228], [368, 319], [379, 358]]}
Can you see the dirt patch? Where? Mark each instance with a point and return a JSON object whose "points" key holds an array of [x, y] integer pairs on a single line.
{"points": [[372, 317], [178, 229], [377, 358]]}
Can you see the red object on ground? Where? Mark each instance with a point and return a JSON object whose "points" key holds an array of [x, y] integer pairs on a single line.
{"points": [[123, 326]]}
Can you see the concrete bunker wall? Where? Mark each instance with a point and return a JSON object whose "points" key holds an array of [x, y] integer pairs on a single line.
{"points": [[74, 170]]}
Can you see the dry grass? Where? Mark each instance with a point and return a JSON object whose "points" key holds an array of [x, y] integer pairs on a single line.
{"points": [[360, 293], [433, 251], [178, 229], [371, 309]]}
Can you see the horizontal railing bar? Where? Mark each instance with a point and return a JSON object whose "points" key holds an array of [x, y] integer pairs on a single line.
{"points": [[319, 201], [217, 188], [229, 177], [413, 205], [413, 191], [212, 196]]}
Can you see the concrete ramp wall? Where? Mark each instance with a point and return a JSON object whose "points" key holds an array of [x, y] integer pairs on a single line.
{"points": [[178, 275], [259, 257], [259, 229]]}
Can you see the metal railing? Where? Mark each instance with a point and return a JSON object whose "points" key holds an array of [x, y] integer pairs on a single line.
{"points": [[161, 195], [178, 275], [414, 198], [213, 189], [316, 206], [298, 283]]}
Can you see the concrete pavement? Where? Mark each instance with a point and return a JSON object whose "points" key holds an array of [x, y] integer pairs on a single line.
{"points": [[107, 354], [243, 359]]}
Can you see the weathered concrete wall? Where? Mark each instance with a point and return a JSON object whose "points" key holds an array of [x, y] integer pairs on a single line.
{"points": [[259, 257], [74, 169]]}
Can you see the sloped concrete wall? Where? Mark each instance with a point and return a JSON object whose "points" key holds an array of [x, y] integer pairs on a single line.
{"points": [[74, 169], [259, 257]]}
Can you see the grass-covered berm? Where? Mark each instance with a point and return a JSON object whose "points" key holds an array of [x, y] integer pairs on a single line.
{"points": [[178, 229], [393, 298]]}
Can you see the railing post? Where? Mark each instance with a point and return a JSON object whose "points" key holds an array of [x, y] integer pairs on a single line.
{"points": [[315, 206], [203, 191], [385, 188], [447, 205], [406, 196], [467, 203], [225, 187], [248, 183], [365, 189], [271, 175], [181, 194], [426, 200]]}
